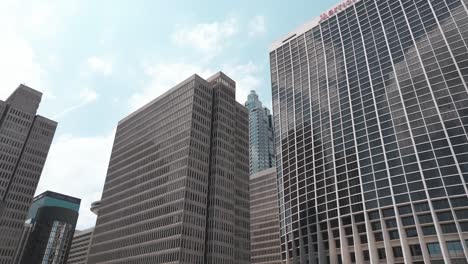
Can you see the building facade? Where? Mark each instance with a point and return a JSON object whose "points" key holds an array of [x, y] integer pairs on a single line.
{"points": [[261, 150], [22, 242], [265, 244], [370, 110], [52, 218], [80, 246], [25, 139], [177, 186]]}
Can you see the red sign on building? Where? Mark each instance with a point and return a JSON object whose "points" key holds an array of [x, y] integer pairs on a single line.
{"points": [[337, 9]]}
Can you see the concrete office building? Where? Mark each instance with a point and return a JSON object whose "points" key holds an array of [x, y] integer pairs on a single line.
{"points": [[22, 242], [25, 139], [370, 109], [264, 218], [261, 150], [177, 186], [80, 246], [52, 217]]}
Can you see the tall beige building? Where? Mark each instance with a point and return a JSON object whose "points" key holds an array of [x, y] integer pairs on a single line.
{"points": [[264, 218], [25, 139], [177, 186]]}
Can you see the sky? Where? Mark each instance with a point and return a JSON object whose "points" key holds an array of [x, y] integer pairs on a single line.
{"points": [[97, 61]]}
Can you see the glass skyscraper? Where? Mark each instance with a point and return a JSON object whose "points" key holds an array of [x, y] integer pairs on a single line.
{"points": [[52, 218], [370, 108], [261, 151]]}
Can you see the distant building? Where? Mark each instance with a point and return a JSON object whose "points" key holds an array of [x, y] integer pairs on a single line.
{"points": [[53, 218], [264, 218], [80, 246], [82, 241], [25, 139], [177, 186], [261, 150], [95, 207]]}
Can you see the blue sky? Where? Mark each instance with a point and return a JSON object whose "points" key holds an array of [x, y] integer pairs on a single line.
{"points": [[97, 61]]}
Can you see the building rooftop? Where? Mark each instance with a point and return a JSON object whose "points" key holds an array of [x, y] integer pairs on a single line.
{"points": [[53, 199]]}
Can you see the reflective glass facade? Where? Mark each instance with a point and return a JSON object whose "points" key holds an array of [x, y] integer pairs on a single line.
{"points": [[261, 150], [371, 118], [52, 219]]}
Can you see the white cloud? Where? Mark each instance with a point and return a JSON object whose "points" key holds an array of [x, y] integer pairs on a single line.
{"points": [[18, 63], [41, 16], [247, 77], [163, 77], [257, 26], [86, 96], [210, 38], [77, 166], [99, 65]]}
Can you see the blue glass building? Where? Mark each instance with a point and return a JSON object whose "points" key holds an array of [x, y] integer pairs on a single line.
{"points": [[51, 222], [261, 150]]}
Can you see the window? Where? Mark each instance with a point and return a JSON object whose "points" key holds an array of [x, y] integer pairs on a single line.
{"points": [[425, 219], [422, 207], [376, 226], [391, 223], [415, 250], [374, 215], [462, 214], [378, 236], [381, 253], [365, 253], [393, 234], [411, 232], [455, 248], [388, 212], [408, 221], [405, 209], [363, 239], [428, 230], [445, 216], [448, 228], [434, 249], [397, 252]]}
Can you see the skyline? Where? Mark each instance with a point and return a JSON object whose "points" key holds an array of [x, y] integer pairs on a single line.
{"points": [[95, 67]]}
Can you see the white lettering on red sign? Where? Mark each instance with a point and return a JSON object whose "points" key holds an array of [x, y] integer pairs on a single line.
{"points": [[337, 9]]}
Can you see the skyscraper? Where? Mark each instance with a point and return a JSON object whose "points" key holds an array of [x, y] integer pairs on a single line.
{"points": [[370, 111], [25, 139], [52, 217], [264, 218], [261, 151], [177, 186]]}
